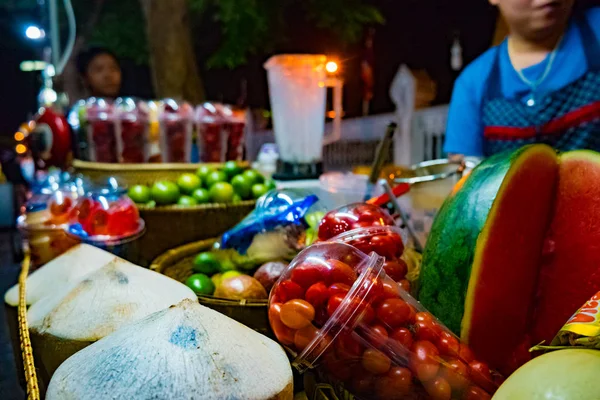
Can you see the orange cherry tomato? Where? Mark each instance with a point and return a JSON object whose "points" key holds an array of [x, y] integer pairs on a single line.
{"points": [[284, 334], [376, 362], [297, 313], [341, 272], [456, 373], [304, 336]]}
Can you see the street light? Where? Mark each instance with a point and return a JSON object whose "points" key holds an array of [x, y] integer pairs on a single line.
{"points": [[34, 33]]}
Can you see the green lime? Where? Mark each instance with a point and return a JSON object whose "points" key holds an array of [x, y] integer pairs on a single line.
{"points": [[232, 168], [200, 284], [222, 192], [203, 172], [187, 201], [150, 204], [201, 195], [188, 183], [139, 194], [236, 199], [253, 176], [165, 192], [271, 185], [207, 263], [226, 265], [242, 186], [258, 190], [215, 177], [230, 274]]}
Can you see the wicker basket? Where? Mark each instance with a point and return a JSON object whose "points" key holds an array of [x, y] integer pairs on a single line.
{"points": [[177, 264], [168, 226]]}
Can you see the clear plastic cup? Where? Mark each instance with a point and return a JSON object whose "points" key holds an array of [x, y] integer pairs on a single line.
{"points": [[337, 312], [133, 131], [101, 131], [212, 139], [352, 216], [175, 121], [343, 188]]}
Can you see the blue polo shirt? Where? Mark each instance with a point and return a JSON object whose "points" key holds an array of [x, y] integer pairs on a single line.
{"points": [[464, 132]]}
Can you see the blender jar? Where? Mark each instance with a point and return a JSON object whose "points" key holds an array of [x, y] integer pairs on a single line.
{"points": [[297, 89]]}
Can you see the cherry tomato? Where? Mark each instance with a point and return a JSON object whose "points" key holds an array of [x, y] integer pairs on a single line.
{"points": [[427, 330], [405, 285], [373, 213], [475, 393], [307, 274], [338, 288], [390, 289], [304, 336], [423, 316], [98, 222], [425, 360], [396, 269], [365, 314], [348, 347], [384, 246], [456, 373], [466, 354], [448, 345], [401, 340], [60, 205], [362, 245], [321, 316], [377, 335], [341, 272], [375, 290], [287, 290], [413, 315], [395, 385], [339, 369], [317, 294], [284, 334], [331, 226], [334, 302], [376, 362], [393, 312], [363, 383], [481, 376], [297, 313], [397, 239], [439, 389]]}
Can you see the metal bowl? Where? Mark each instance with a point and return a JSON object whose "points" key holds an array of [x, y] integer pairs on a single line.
{"points": [[434, 170]]}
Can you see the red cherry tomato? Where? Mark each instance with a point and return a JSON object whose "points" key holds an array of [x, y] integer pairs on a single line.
{"points": [[334, 302], [286, 291], [365, 314], [297, 313], [396, 269], [428, 330], [405, 285], [481, 376], [384, 246], [306, 275], [395, 385], [284, 334], [363, 384], [475, 393], [377, 335], [376, 362], [338, 288], [304, 336], [390, 289], [448, 345], [397, 239], [439, 389], [423, 316], [339, 369], [332, 225], [341, 272], [457, 374], [317, 294], [465, 354], [424, 360], [401, 340], [98, 222], [60, 205], [348, 347], [393, 312], [321, 316]]}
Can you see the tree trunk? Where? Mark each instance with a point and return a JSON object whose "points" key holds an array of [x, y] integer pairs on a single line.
{"points": [[172, 58]]}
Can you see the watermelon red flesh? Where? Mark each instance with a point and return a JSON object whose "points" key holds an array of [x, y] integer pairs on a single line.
{"points": [[570, 274], [502, 287], [453, 240]]}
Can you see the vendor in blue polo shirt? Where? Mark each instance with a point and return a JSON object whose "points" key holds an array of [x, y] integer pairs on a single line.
{"points": [[541, 85]]}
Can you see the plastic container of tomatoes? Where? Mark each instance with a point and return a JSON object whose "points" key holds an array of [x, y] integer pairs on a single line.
{"points": [[133, 141], [337, 312], [101, 131], [353, 216], [176, 126], [106, 218]]}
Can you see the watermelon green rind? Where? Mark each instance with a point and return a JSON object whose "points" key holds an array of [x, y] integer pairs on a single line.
{"points": [[451, 246]]}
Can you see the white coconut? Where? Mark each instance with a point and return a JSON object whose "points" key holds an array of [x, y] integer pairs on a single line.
{"points": [[187, 351], [77, 315], [67, 268]]}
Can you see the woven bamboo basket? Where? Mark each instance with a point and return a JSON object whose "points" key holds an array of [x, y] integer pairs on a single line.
{"points": [[177, 264], [167, 226]]}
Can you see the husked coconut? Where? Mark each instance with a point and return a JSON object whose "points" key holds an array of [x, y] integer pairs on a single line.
{"points": [[75, 316], [187, 351], [67, 268]]}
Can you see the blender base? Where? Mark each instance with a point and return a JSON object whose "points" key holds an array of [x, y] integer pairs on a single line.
{"points": [[288, 171]]}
